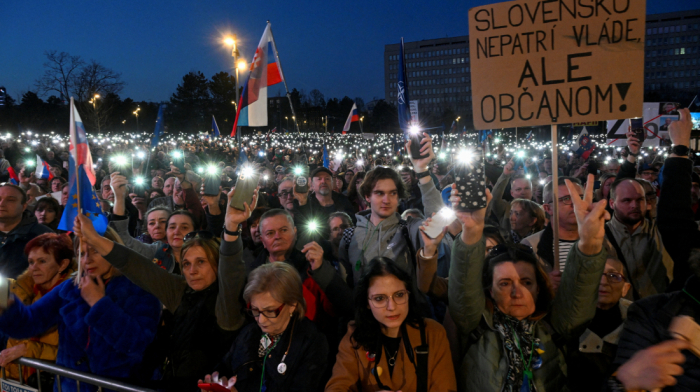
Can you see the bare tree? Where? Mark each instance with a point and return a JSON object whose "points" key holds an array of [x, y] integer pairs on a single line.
{"points": [[60, 73], [95, 78]]}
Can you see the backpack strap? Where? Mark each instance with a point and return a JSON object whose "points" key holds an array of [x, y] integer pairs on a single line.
{"points": [[422, 361], [476, 333], [403, 226]]}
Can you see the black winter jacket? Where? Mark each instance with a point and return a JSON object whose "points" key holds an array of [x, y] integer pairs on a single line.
{"points": [[647, 324], [13, 261], [305, 361]]}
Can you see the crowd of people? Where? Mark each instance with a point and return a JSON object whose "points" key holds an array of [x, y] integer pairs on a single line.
{"points": [[328, 278]]}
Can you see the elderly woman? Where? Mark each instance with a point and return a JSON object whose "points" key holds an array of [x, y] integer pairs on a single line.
{"points": [[50, 258], [104, 325], [283, 350], [156, 222], [48, 212], [390, 345], [203, 310], [526, 218], [503, 306]]}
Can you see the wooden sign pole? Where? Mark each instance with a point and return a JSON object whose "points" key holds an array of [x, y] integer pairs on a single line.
{"points": [[555, 197]]}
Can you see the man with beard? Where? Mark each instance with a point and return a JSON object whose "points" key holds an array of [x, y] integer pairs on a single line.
{"points": [[312, 213], [637, 242]]}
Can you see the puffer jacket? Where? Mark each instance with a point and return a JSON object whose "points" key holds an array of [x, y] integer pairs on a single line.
{"points": [[647, 325], [107, 339], [13, 261], [484, 367], [386, 239], [44, 346]]}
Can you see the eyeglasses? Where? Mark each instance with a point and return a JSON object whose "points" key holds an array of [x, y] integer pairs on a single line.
{"points": [[285, 194], [503, 248], [267, 313], [614, 277], [566, 200], [203, 234], [381, 301]]}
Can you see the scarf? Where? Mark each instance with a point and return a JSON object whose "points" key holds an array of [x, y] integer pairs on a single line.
{"points": [[517, 333]]}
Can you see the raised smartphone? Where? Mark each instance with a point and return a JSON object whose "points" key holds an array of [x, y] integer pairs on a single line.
{"points": [[471, 183], [246, 184], [416, 138], [637, 126], [439, 221], [178, 159], [211, 184]]}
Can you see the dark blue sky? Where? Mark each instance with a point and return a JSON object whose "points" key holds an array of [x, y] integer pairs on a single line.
{"points": [[334, 46]]}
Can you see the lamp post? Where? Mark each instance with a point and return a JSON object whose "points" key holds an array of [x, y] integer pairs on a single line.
{"points": [[136, 112], [362, 119], [93, 101], [239, 65], [287, 118]]}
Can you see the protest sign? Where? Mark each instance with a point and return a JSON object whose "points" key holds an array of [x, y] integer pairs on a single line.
{"points": [[656, 121], [539, 62]]}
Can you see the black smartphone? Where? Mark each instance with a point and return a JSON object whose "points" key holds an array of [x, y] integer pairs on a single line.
{"points": [[301, 184], [246, 183], [416, 138], [470, 181], [212, 180], [139, 186], [178, 160], [637, 127]]}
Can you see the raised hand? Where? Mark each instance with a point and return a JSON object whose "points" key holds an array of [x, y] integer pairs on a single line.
{"points": [[421, 165], [590, 217], [679, 131], [430, 245], [314, 254], [235, 217], [509, 168], [214, 379], [118, 184], [472, 221], [633, 144]]}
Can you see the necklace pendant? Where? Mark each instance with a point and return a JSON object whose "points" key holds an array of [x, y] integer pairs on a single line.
{"points": [[281, 368], [392, 362]]}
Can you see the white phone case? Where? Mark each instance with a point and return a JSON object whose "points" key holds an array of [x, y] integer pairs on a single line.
{"points": [[439, 222]]}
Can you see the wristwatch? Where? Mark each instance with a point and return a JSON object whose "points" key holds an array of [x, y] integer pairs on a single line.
{"points": [[234, 233], [423, 174], [680, 150], [627, 149]]}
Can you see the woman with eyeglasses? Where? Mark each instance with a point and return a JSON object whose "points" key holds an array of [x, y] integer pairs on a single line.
{"points": [[511, 326], [283, 350], [164, 252], [390, 345], [203, 308], [592, 355], [104, 321]]}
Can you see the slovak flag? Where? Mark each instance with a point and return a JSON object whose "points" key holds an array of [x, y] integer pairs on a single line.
{"points": [[42, 169], [583, 146], [79, 149], [352, 117], [265, 71]]}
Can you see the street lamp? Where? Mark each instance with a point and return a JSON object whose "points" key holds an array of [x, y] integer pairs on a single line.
{"points": [[124, 125], [136, 112], [93, 101], [362, 119], [458, 117], [287, 118], [231, 41]]}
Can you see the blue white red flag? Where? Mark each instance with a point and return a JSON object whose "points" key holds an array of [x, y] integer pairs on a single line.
{"points": [[160, 124], [326, 161], [214, 127], [14, 180], [265, 71], [79, 149], [583, 146], [42, 169], [529, 136], [352, 117]]}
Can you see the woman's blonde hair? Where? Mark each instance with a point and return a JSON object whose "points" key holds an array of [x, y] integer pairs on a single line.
{"points": [[283, 283], [210, 247], [109, 234]]}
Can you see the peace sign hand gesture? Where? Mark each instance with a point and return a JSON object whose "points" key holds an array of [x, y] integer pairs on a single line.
{"points": [[590, 217]]}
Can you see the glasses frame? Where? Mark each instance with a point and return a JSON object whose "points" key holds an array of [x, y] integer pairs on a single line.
{"points": [[609, 279], [203, 234], [388, 298], [276, 312]]}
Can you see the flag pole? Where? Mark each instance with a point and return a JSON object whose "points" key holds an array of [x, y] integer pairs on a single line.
{"points": [[77, 185], [284, 80], [555, 197]]}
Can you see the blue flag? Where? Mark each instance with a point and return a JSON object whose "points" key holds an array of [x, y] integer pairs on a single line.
{"points": [[214, 127], [89, 202], [326, 161], [159, 127], [402, 94]]}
